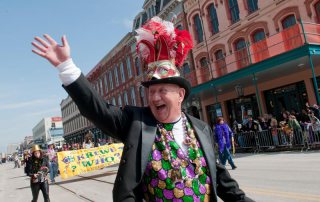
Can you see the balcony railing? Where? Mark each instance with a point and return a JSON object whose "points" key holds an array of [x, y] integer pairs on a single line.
{"points": [[289, 39]]}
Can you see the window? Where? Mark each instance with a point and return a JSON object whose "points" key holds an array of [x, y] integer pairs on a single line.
{"points": [[219, 55], [203, 62], [144, 18], [252, 5], [317, 8], [98, 87], [291, 33], [123, 78], [137, 64], [110, 80], [240, 44], [149, 12], [115, 71], [119, 101], [129, 67], [288, 21], [186, 69], [137, 23], [241, 53], [179, 27], [259, 48], [234, 10], [141, 93], [214, 23], [106, 83], [158, 5], [114, 101], [165, 2], [198, 28], [101, 87], [133, 97], [154, 10], [220, 63], [125, 97], [258, 35]]}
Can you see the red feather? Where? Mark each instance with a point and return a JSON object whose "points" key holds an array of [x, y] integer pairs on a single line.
{"points": [[184, 44]]}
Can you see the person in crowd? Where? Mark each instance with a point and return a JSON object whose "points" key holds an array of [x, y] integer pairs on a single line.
{"points": [[315, 127], [101, 142], [265, 125], [304, 116], [245, 120], [161, 143], [53, 162], [39, 169], [17, 162], [79, 146], [286, 130], [274, 131], [251, 125], [73, 146], [224, 138], [88, 143], [296, 136], [295, 114], [285, 116], [307, 135], [315, 109], [26, 162], [65, 147]]}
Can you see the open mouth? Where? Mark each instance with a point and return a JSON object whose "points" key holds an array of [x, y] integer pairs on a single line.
{"points": [[160, 107]]}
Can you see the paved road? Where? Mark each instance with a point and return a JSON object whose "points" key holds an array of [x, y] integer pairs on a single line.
{"points": [[280, 177], [94, 186], [269, 177]]}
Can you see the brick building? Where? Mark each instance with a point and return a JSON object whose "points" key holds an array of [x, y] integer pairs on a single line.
{"points": [[254, 57]]}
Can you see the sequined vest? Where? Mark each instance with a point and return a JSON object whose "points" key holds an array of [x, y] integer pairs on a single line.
{"points": [[159, 182]]}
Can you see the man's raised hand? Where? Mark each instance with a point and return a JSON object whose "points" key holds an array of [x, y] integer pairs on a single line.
{"points": [[51, 50]]}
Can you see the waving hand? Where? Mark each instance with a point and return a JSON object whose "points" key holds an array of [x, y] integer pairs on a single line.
{"points": [[51, 50]]}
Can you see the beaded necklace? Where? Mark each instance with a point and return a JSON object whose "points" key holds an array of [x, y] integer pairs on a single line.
{"points": [[193, 154]]}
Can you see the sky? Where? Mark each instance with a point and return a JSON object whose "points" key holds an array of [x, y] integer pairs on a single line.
{"points": [[30, 89]]}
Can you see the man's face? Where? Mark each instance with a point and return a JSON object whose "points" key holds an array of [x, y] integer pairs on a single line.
{"points": [[165, 101]]}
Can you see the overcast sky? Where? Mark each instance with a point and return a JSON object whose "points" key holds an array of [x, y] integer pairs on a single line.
{"points": [[29, 86]]}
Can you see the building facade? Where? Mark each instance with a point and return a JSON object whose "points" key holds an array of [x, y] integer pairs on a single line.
{"points": [[75, 126], [48, 130], [27, 142], [12, 148], [254, 57]]}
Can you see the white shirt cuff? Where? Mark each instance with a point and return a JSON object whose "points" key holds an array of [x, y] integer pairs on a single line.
{"points": [[69, 72]]}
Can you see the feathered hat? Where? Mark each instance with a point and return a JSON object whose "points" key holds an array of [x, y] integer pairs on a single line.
{"points": [[163, 48]]}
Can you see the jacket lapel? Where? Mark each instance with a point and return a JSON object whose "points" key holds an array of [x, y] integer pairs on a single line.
{"points": [[149, 129], [203, 136]]}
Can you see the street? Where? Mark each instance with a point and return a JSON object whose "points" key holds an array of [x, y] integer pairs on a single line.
{"points": [[265, 177]]}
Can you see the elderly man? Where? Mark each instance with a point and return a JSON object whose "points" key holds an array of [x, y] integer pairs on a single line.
{"points": [[168, 155]]}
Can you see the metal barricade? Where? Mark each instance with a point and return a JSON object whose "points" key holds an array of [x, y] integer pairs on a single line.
{"points": [[245, 140], [273, 138]]}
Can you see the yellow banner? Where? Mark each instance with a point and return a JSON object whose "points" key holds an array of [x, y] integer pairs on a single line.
{"points": [[77, 162]]}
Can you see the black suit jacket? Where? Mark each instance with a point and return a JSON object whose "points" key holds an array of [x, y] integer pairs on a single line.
{"points": [[136, 128]]}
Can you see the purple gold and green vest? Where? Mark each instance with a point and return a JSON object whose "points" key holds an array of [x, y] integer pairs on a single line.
{"points": [[158, 183]]}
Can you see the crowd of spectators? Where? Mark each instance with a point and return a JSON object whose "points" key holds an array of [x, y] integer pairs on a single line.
{"points": [[294, 128]]}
